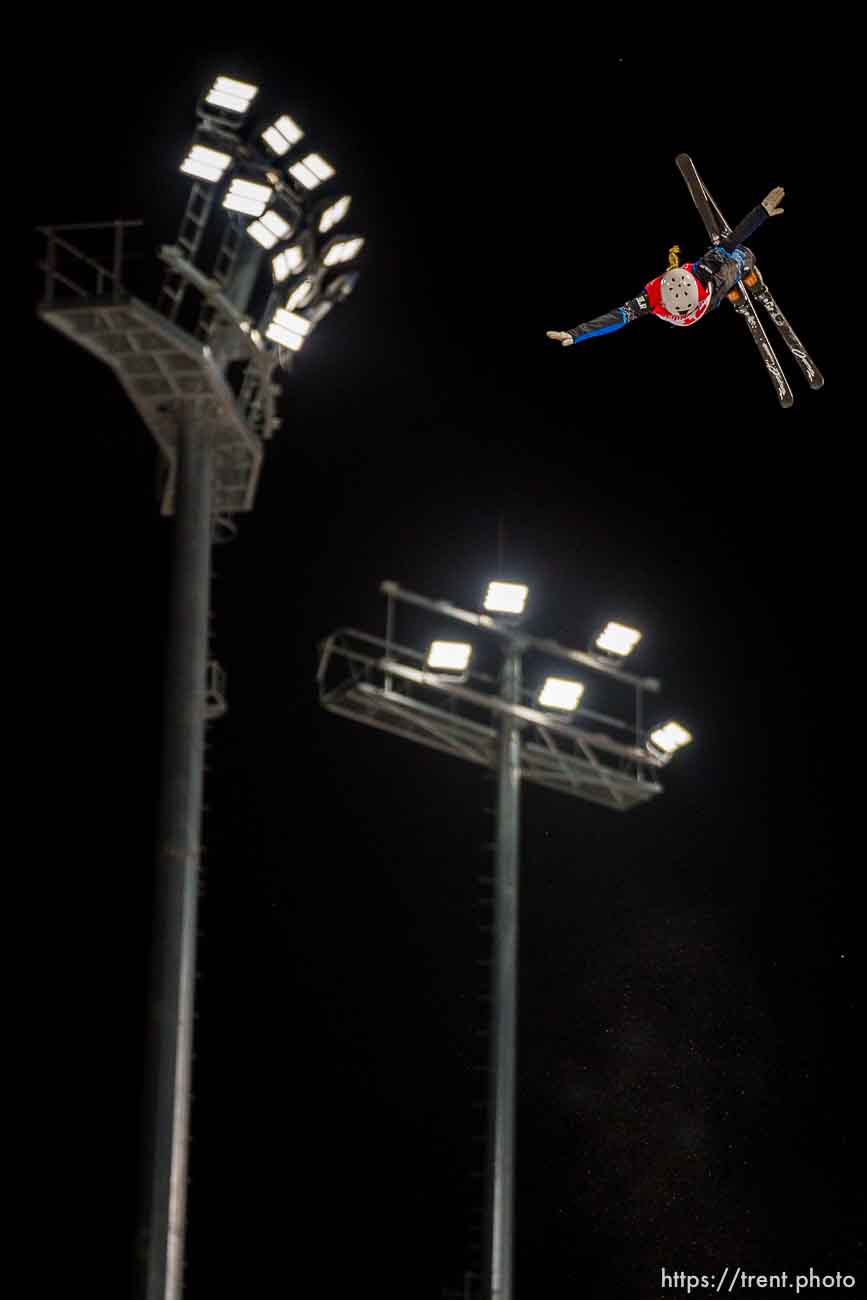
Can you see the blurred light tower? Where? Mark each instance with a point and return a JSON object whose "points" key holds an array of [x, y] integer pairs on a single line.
{"points": [[205, 388], [548, 737]]}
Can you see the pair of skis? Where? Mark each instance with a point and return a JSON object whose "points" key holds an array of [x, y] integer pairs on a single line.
{"points": [[718, 228]]}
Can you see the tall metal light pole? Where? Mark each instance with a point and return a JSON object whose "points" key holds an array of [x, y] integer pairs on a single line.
{"points": [[207, 394], [178, 857], [505, 983], [542, 737]]}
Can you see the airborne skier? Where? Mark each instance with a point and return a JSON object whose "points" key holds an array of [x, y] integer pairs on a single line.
{"points": [[686, 293]]}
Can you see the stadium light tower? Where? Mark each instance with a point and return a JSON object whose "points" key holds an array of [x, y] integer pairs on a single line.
{"points": [[550, 737], [205, 388]]}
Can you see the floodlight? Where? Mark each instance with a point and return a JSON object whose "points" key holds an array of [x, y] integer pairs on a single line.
{"points": [[234, 95], [670, 737], [289, 262], [282, 135], [558, 693], [334, 213], [450, 655], [311, 171], [342, 250], [206, 164], [247, 196], [301, 295], [505, 598], [341, 286], [617, 639], [269, 229], [317, 313], [288, 330], [277, 334]]}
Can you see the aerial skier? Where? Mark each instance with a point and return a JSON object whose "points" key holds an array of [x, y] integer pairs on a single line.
{"points": [[686, 292]]}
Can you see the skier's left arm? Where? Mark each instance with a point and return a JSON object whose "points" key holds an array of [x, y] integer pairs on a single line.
{"points": [[769, 207]]}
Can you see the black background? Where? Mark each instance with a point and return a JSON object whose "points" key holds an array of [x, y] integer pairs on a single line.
{"points": [[691, 995]]}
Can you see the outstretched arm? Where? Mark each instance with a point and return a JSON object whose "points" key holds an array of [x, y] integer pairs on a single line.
{"points": [[769, 207], [607, 324]]}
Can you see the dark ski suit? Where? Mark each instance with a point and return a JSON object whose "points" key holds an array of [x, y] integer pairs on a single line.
{"points": [[717, 271]]}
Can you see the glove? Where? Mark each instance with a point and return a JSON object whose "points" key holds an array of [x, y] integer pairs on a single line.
{"points": [[565, 339], [770, 203]]}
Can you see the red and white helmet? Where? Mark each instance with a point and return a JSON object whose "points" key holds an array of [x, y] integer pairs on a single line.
{"points": [[679, 289]]}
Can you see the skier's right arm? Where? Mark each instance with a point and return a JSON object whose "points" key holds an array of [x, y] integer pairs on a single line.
{"points": [[607, 324]]}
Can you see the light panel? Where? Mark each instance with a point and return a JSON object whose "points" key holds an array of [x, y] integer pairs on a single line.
{"points": [[247, 196], [240, 203], [312, 171], [301, 294], [336, 212], [275, 223], [206, 164], [288, 330], [282, 135], [270, 229], [251, 189], [297, 323], [505, 598], [453, 656], [559, 693], [277, 334], [261, 234], [670, 737], [287, 263], [617, 639], [289, 320], [234, 95], [343, 250]]}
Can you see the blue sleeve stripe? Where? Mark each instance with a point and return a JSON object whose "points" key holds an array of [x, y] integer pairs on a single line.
{"points": [[607, 329]]}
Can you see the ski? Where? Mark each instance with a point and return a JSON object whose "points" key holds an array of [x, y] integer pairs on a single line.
{"points": [[745, 309], [714, 222], [716, 226], [809, 369]]}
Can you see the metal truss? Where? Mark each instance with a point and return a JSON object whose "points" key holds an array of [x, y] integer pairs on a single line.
{"points": [[168, 375], [259, 392], [227, 257], [199, 204], [381, 684]]}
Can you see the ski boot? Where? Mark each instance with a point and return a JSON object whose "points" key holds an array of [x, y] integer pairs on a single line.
{"points": [[750, 277]]}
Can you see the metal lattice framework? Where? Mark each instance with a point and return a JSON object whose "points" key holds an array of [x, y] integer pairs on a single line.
{"points": [[595, 757], [164, 371]]}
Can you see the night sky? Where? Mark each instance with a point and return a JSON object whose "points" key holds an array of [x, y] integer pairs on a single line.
{"points": [[691, 979]]}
